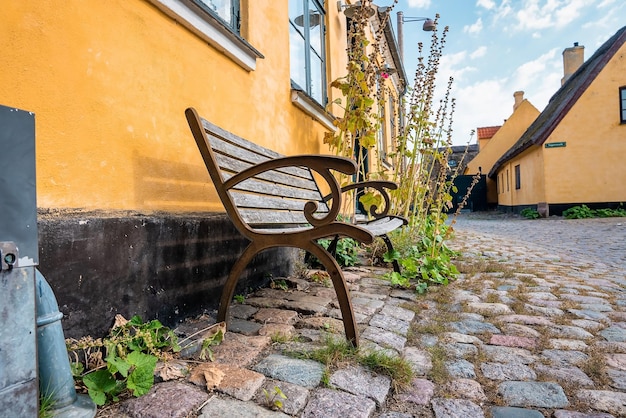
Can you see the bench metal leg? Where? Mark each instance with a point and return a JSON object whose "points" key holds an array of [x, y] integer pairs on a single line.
{"points": [[396, 266], [341, 289], [233, 277], [332, 268]]}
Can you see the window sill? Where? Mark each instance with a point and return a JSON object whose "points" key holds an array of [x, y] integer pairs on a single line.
{"points": [[211, 30], [312, 108]]}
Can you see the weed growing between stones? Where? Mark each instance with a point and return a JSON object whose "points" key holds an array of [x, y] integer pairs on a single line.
{"points": [[336, 353], [438, 373], [595, 366], [274, 399]]}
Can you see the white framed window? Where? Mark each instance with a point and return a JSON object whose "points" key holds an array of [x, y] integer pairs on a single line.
{"points": [[215, 21], [226, 10], [307, 31]]}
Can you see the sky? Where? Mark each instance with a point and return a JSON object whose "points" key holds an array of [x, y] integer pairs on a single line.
{"points": [[496, 47]]}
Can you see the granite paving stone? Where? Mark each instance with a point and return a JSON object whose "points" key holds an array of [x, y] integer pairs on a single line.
{"points": [[470, 326], [390, 323], [533, 394], [307, 373], [614, 334], [328, 403], [359, 381], [513, 341], [460, 350], [618, 378], [456, 408], [507, 371], [228, 407], [296, 396], [420, 360], [604, 400], [461, 369], [560, 358], [565, 374], [502, 354], [419, 392], [466, 389], [512, 412], [562, 413], [384, 338]]}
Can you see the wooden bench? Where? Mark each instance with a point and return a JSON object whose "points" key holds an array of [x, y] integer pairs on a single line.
{"points": [[275, 201]]}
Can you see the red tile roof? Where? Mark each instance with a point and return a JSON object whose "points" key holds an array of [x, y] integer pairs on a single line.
{"points": [[487, 132]]}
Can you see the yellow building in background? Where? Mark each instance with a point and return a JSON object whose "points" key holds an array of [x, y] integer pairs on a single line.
{"points": [[573, 152], [492, 148]]}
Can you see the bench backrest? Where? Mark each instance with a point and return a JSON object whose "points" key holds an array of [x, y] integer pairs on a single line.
{"points": [[273, 199]]}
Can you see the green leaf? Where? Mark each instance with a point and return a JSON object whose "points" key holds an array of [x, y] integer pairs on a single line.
{"points": [[140, 380], [99, 383], [391, 256], [117, 364]]}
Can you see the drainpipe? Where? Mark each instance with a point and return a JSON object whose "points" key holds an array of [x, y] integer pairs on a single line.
{"points": [[55, 376]]}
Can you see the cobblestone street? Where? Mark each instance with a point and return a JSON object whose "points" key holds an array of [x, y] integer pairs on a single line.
{"points": [[534, 327]]}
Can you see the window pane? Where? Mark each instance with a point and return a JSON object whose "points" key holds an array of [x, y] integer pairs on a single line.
{"points": [[221, 7], [317, 38], [297, 60], [317, 79]]}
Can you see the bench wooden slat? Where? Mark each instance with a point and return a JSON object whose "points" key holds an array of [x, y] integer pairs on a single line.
{"points": [[272, 218], [216, 131], [268, 188], [247, 156], [249, 200], [230, 166]]}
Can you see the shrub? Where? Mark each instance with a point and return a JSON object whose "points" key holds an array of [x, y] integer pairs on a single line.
{"points": [[530, 213]]}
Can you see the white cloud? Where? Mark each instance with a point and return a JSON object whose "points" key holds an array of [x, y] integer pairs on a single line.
{"points": [[420, 4], [606, 3], [474, 28], [448, 67], [549, 14], [485, 103], [531, 72], [487, 4], [479, 52]]}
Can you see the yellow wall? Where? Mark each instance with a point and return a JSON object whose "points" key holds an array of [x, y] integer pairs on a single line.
{"points": [[504, 139], [590, 168], [109, 82], [532, 190]]}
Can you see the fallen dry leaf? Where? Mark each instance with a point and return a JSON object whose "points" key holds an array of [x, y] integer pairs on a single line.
{"points": [[170, 370], [207, 375]]}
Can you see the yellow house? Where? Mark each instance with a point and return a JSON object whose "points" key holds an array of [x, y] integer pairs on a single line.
{"points": [[495, 141], [573, 152], [128, 219]]}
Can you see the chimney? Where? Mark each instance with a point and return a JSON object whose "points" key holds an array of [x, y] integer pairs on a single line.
{"points": [[519, 98], [573, 58]]}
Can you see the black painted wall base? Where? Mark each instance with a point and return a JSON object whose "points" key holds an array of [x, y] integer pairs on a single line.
{"points": [[159, 266]]}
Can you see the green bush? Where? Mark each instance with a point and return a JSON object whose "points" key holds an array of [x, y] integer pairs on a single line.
{"points": [[582, 212], [530, 213], [579, 212]]}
